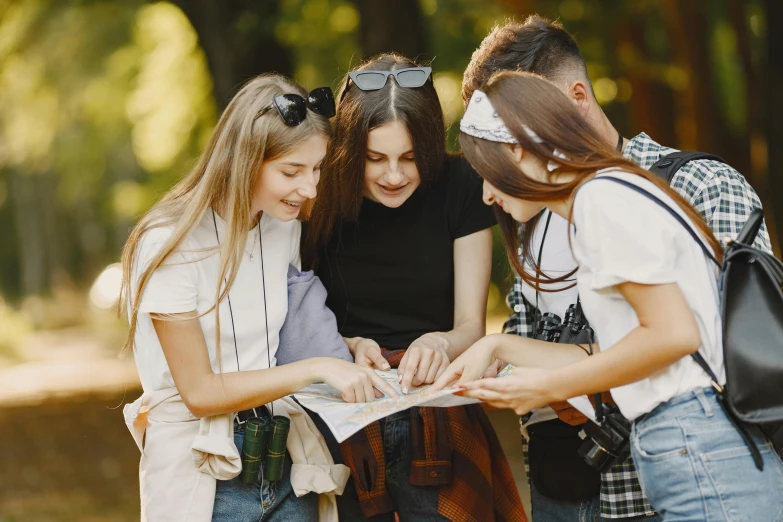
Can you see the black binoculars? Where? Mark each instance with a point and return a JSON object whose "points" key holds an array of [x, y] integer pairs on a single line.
{"points": [[265, 440]]}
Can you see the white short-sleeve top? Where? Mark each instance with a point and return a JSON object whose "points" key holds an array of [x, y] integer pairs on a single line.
{"points": [[621, 236], [188, 281]]}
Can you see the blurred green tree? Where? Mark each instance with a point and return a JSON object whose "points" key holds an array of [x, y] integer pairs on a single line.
{"points": [[104, 103]]}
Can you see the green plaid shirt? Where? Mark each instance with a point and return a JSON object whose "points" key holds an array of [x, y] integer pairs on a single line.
{"points": [[725, 200]]}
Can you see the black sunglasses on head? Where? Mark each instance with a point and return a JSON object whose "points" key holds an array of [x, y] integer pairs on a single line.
{"points": [[370, 80], [293, 108]]}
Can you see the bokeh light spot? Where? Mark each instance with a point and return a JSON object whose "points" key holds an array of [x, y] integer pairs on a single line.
{"points": [[106, 290], [344, 19], [605, 90]]}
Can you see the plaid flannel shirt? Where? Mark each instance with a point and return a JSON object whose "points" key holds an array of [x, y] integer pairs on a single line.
{"points": [[725, 200]]}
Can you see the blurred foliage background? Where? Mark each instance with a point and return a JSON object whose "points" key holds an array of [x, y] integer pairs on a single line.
{"points": [[105, 103]]}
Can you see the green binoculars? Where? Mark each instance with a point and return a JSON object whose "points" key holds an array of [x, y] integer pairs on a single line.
{"points": [[265, 441]]}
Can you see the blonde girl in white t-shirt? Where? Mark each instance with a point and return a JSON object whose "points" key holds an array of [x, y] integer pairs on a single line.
{"points": [[647, 289], [204, 280]]}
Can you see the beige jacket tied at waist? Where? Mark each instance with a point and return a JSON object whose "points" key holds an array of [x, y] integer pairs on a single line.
{"points": [[182, 456]]}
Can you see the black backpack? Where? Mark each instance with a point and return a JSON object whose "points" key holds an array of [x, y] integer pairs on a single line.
{"points": [[751, 291]]}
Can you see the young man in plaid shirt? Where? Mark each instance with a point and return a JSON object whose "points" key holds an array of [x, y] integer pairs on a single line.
{"points": [[717, 191]]}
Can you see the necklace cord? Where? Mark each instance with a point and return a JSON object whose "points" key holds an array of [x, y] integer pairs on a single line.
{"points": [[231, 311]]}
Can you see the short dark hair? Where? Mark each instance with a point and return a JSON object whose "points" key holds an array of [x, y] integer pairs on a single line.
{"points": [[537, 45]]}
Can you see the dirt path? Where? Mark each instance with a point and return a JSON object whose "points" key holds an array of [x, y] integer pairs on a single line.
{"points": [[69, 459], [65, 453]]}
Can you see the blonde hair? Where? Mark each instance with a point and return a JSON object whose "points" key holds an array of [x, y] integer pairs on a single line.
{"points": [[222, 179]]}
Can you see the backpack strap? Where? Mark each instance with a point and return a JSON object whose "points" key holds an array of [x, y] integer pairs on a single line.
{"points": [[666, 167]]}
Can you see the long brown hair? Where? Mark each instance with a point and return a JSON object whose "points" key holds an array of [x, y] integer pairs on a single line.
{"points": [[358, 112], [524, 99], [223, 180]]}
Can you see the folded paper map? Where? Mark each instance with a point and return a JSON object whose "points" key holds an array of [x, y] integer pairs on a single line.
{"points": [[346, 418]]}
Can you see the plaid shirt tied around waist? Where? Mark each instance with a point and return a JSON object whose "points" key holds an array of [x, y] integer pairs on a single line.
{"points": [[455, 449]]}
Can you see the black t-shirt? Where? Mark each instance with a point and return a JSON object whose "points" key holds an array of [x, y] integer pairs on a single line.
{"points": [[390, 274]]}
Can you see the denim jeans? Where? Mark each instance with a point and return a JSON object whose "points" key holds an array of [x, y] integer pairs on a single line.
{"points": [[547, 509], [413, 503], [694, 465], [265, 501]]}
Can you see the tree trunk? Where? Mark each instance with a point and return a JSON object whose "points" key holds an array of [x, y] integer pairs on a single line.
{"points": [[651, 107], [753, 97], [238, 39], [30, 233], [697, 122], [391, 26], [774, 121]]}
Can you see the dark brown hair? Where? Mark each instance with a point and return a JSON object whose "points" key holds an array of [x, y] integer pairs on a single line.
{"points": [[358, 112], [538, 46], [555, 119]]}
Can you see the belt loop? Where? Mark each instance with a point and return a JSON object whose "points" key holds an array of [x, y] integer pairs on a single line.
{"points": [[704, 401]]}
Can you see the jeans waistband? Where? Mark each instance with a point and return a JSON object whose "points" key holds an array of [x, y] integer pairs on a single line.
{"points": [[243, 416], [704, 399]]}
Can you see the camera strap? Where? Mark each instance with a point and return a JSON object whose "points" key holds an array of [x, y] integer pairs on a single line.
{"points": [[538, 269], [231, 311], [599, 409]]}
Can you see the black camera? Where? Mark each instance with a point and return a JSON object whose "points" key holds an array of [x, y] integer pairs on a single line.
{"points": [[573, 330], [608, 442]]}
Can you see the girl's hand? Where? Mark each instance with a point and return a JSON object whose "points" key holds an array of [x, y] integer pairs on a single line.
{"points": [[367, 352], [469, 366], [424, 361], [494, 369], [355, 383], [523, 390]]}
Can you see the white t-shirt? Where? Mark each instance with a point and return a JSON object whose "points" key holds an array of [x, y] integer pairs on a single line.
{"points": [[188, 281], [621, 236]]}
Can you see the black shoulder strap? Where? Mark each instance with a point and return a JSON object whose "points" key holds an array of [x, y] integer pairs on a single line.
{"points": [[666, 167]]}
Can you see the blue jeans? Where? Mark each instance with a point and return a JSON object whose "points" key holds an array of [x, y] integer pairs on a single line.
{"points": [[413, 503], [547, 509], [236, 501], [694, 466]]}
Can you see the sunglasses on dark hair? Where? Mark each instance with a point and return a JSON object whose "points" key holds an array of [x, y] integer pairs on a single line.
{"points": [[293, 108], [369, 80]]}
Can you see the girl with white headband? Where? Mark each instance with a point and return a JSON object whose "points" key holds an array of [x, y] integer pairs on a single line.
{"points": [[646, 288]]}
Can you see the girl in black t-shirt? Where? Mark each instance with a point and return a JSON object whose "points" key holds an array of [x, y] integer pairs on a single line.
{"points": [[401, 239]]}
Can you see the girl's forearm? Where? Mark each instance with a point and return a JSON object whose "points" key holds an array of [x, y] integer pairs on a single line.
{"points": [[215, 394], [463, 336], [636, 356], [523, 351]]}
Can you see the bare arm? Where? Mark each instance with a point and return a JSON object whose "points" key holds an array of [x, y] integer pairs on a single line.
{"points": [[510, 348], [429, 356], [206, 393], [472, 268], [667, 332]]}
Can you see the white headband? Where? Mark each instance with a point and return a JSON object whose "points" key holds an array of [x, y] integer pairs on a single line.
{"points": [[482, 121]]}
